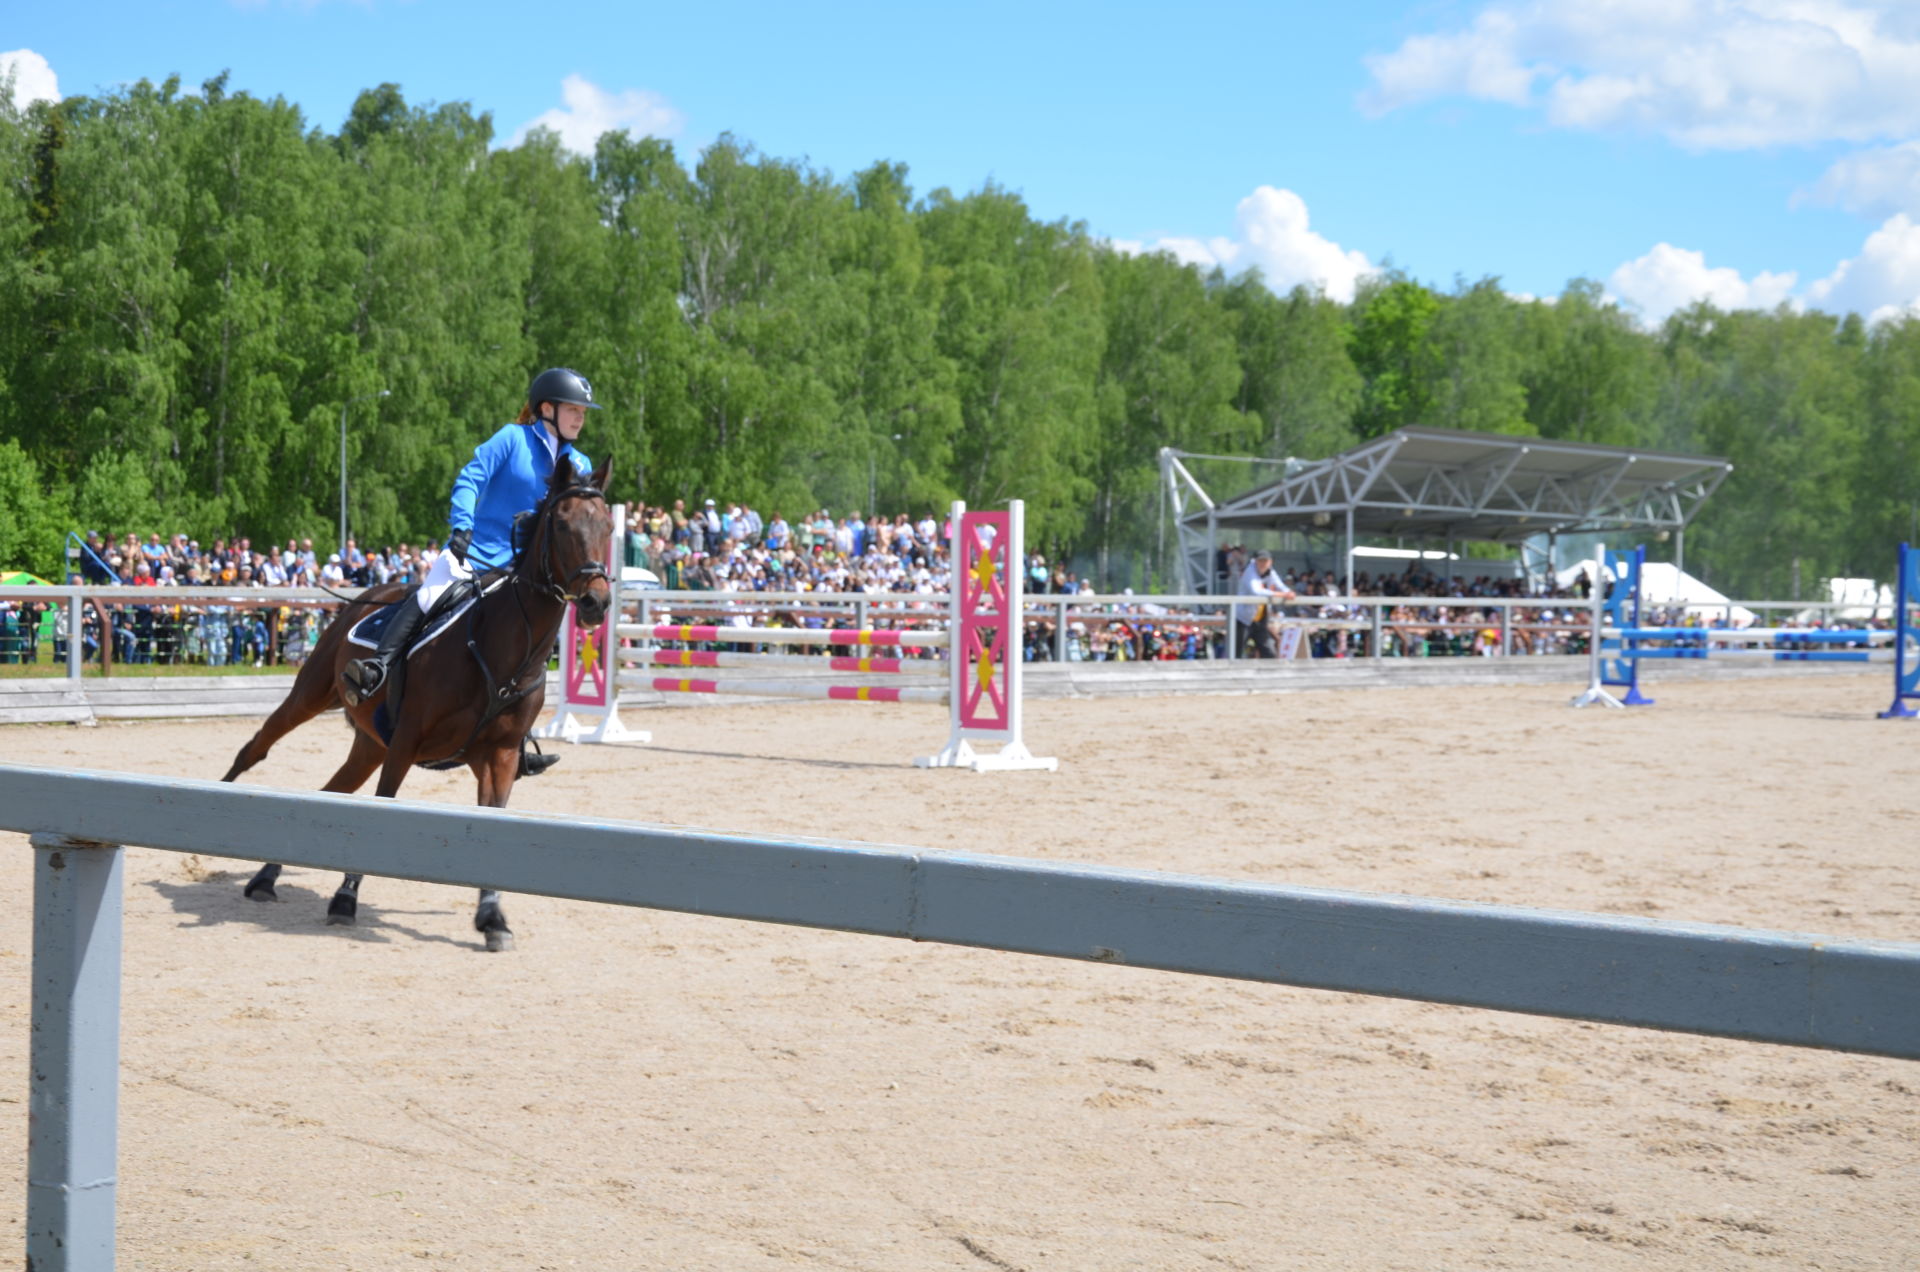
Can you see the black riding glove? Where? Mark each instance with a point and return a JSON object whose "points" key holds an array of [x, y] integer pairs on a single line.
{"points": [[458, 542]]}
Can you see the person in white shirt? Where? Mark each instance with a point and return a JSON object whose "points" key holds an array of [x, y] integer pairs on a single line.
{"points": [[1262, 580]]}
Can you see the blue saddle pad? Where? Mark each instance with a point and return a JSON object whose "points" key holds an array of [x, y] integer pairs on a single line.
{"points": [[367, 632], [370, 629]]}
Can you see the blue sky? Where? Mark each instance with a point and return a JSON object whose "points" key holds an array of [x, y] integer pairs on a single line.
{"points": [[1752, 151]]}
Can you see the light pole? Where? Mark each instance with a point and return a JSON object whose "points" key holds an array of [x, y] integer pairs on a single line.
{"points": [[364, 397], [872, 498]]}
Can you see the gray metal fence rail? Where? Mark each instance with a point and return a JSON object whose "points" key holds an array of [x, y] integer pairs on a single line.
{"points": [[1860, 996]]}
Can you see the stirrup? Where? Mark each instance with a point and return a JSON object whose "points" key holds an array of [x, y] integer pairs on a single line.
{"points": [[362, 679], [534, 763]]}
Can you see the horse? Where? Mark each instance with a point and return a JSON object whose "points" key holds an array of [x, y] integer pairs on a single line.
{"points": [[455, 707]]}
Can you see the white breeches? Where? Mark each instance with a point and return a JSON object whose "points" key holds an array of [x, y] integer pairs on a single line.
{"points": [[445, 571]]}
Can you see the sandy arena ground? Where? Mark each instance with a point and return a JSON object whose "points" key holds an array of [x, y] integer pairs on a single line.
{"points": [[644, 1090]]}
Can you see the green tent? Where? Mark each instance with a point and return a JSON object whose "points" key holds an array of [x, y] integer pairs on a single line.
{"points": [[20, 578]]}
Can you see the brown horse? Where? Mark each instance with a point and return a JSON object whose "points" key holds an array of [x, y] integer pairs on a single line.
{"points": [[471, 695]]}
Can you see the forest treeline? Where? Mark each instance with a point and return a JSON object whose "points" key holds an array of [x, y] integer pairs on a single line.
{"points": [[196, 284]]}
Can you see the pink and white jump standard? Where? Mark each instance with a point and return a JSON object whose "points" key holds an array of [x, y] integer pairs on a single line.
{"points": [[981, 673], [589, 709]]}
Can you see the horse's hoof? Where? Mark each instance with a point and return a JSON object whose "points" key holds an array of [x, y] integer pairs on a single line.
{"points": [[340, 911], [336, 919], [499, 941], [264, 892]]}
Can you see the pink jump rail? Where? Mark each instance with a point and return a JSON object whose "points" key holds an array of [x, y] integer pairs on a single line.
{"points": [[798, 689], [724, 659], [787, 635]]}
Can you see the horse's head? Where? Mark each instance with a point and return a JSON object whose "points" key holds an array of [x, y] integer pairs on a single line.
{"points": [[573, 539]]}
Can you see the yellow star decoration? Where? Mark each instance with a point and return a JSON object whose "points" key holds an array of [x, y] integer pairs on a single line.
{"points": [[589, 656], [983, 572], [983, 667]]}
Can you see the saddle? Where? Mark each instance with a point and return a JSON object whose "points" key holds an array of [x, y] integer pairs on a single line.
{"points": [[454, 602]]}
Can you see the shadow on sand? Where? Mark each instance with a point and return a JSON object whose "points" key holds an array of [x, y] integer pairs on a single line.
{"points": [[299, 911]]}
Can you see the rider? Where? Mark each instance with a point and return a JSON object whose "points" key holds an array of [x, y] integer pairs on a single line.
{"points": [[506, 477]]}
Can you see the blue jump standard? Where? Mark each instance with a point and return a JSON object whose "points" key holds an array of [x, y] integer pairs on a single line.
{"points": [[1619, 656], [1906, 670]]}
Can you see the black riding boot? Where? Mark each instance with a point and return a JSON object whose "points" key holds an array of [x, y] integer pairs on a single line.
{"points": [[362, 679], [533, 761]]}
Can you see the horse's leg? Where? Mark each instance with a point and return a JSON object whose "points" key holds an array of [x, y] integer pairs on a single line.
{"points": [[359, 765], [310, 695], [344, 908], [495, 774]]}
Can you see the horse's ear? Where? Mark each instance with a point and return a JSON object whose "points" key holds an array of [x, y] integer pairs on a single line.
{"points": [[602, 475]]}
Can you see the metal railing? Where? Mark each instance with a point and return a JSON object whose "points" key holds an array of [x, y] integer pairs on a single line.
{"points": [[1810, 991], [139, 626], [1212, 626]]}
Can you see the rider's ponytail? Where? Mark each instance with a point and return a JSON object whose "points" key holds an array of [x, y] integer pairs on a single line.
{"points": [[526, 414]]}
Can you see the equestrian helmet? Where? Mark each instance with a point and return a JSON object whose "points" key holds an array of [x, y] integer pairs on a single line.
{"points": [[561, 384]]}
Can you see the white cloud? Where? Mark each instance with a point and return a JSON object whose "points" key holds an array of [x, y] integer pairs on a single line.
{"points": [[33, 80], [1709, 74], [1272, 232], [1873, 182], [1883, 281], [591, 110], [1670, 278]]}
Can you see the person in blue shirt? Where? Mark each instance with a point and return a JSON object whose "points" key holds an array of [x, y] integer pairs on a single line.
{"points": [[507, 476]]}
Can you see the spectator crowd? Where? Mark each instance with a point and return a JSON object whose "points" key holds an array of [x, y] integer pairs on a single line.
{"points": [[182, 562], [733, 548]]}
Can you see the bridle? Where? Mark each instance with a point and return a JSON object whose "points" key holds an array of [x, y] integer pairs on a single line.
{"points": [[574, 587]]}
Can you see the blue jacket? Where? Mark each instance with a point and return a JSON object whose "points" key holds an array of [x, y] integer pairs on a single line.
{"points": [[507, 476]]}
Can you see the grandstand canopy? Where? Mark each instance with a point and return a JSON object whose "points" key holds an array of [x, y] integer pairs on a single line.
{"points": [[1443, 484]]}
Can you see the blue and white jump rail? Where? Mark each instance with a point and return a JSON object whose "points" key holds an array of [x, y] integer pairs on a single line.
{"points": [[1778, 987], [1621, 643]]}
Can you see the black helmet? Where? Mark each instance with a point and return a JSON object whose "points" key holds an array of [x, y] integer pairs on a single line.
{"points": [[561, 384]]}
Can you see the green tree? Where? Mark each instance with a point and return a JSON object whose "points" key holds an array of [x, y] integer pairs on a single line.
{"points": [[33, 519], [1168, 375], [1779, 394], [1477, 385], [640, 187], [1299, 389], [1396, 353], [1021, 319], [115, 492], [1590, 375], [899, 391], [435, 265]]}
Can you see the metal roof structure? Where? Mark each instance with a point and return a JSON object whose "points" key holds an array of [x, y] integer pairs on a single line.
{"points": [[1445, 484]]}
